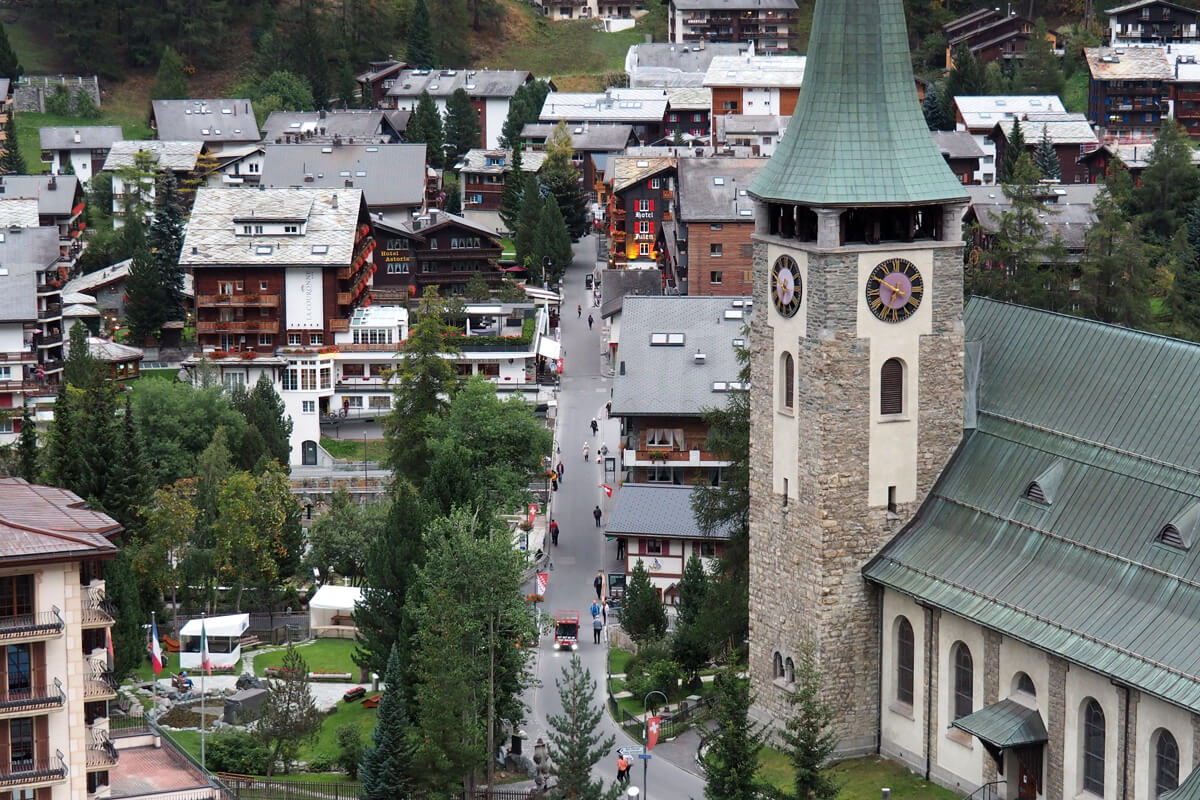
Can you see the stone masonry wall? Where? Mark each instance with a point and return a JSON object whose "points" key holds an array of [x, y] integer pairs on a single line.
{"points": [[991, 689], [31, 92], [1056, 727], [933, 619]]}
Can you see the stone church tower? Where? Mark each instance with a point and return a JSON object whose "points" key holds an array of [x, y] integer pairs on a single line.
{"points": [[857, 355]]}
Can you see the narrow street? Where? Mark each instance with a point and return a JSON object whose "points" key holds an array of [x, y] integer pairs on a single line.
{"points": [[582, 551]]}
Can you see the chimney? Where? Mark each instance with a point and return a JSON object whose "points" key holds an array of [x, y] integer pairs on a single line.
{"points": [[79, 139], [335, 205], [321, 114], [52, 184]]}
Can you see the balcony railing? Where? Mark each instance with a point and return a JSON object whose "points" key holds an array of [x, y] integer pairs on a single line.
{"points": [[101, 754], [238, 326], [339, 325], [239, 300], [344, 298], [101, 682], [97, 611], [50, 769], [46, 625], [668, 194], [26, 357], [51, 311], [17, 385], [369, 347], [34, 698]]}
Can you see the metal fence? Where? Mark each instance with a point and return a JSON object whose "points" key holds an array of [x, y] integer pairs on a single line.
{"points": [[249, 787], [273, 629], [672, 721]]}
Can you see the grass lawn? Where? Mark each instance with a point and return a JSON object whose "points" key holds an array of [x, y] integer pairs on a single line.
{"points": [[1075, 94], [617, 660], [145, 670], [159, 374], [134, 126], [507, 248], [531, 42], [859, 778], [32, 41], [352, 449], [330, 655]]}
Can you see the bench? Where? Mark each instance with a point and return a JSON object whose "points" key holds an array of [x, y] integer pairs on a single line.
{"points": [[342, 619], [250, 642]]}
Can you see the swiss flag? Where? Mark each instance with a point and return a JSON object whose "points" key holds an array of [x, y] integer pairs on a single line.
{"points": [[652, 732], [607, 489]]}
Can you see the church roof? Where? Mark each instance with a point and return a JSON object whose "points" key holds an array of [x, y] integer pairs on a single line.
{"points": [[857, 137], [1100, 566]]}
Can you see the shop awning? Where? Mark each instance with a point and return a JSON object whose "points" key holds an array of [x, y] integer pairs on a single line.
{"points": [[1004, 725], [549, 348]]}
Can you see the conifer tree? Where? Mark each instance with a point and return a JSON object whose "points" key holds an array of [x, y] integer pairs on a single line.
{"points": [[731, 762], [425, 126], [967, 78], [386, 764], [9, 66], [525, 235], [689, 645], [267, 416], [27, 449], [11, 162], [807, 736], [420, 51], [935, 111], [561, 178], [1169, 185], [289, 715], [514, 191], [127, 485], [518, 118], [462, 126], [170, 82], [642, 614], [165, 238], [146, 307], [552, 247], [1012, 151], [576, 746], [1115, 272], [1039, 71], [1045, 157]]}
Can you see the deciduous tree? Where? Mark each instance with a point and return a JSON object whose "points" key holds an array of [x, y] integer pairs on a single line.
{"points": [[339, 540]]}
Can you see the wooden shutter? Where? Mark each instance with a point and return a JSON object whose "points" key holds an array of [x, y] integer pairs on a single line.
{"points": [[891, 387], [651, 206], [41, 740], [5, 746], [37, 665]]}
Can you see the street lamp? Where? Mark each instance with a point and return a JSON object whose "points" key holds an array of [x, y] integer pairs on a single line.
{"points": [[632, 793]]}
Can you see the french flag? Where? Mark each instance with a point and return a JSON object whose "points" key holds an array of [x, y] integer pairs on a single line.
{"points": [[156, 656]]}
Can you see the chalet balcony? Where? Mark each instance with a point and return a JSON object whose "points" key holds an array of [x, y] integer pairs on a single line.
{"points": [[668, 194], [239, 300], [238, 326], [33, 700], [344, 298], [31, 627], [22, 385], [51, 312], [617, 235], [101, 682], [101, 754], [52, 365], [28, 773], [676, 458], [696, 21], [667, 216], [371, 347], [339, 325], [372, 383], [1188, 97], [97, 611], [23, 357]]}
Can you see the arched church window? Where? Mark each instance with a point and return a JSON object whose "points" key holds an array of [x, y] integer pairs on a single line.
{"points": [[891, 387], [787, 381], [905, 657], [964, 681]]}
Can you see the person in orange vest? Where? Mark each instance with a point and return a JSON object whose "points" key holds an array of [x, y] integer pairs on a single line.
{"points": [[622, 769]]}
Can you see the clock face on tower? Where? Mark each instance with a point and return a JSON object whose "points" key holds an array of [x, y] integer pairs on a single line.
{"points": [[786, 286], [894, 290]]}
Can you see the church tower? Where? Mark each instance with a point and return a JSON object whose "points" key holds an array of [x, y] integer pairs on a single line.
{"points": [[857, 355]]}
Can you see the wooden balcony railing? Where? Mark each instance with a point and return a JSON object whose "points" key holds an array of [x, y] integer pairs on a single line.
{"points": [[339, 325], [239, 300], [238, 326]]}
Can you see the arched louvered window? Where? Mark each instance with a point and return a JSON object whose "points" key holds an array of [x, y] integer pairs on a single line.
{"points": [[1093, 748], [789, 671], [964, 681], [891, 387], [1170, 535], [905, 657], [777, 665], [1034, 492], [787, 381], [1166, 763]]}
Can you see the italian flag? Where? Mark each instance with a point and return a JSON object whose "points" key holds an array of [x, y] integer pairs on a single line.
{"points": [[205, 659]]}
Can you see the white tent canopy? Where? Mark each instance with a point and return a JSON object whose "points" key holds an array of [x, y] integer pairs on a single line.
{"points": [[231, 625], [224, 640], [330, 612], [335, 597]]}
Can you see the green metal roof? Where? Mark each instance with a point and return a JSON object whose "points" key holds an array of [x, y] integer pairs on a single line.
{"points": [[857, 136], [1005, 724], [1112, 414], [1188, 790]]}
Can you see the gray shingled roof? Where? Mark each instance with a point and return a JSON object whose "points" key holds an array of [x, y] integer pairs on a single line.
{"points": [[715, 189], [442, 83], [611, 105], [18, 212], [757, 71], [611, 138], [168, 154], [618, 284], [690, 98], [56, 202], [658, 510], [1076, 130], [214, 235], [23, 253], [362, 126], [389, 174], [668, 380], [1139, 3], [1131, 63], [1069, 215], [100, 137], [733, 5], [476, 161], [729, 124], [205, 120], [666, 64], [957, 144]]}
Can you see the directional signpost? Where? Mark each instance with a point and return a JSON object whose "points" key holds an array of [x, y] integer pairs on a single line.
{"points": [[632, 750]]}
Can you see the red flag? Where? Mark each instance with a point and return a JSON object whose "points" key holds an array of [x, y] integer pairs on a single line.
{"points": [[652, 732], [607, 489], [112, 658], [543, 581]]}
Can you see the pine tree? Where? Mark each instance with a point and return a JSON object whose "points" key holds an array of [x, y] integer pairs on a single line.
{"points": [[935, 111], [552, 242], [27, 449], [121, 590], [514, 190], [1169, 185], [642, 614], [1039, 71], [967, 78], [575, 745], [807, 736], [127, 487], [1045, 157], [462, 126], [689, 645], [731, 761], [9, 66], [1013, 150], [1115, 272], [525, 235], [267, 414], [146, 306], [517, 119], [11, 162], [81, 369], [170, 82], [425, 125], [289, 716], [165, 238], [420, 52], [561, 178], [386, 764]]}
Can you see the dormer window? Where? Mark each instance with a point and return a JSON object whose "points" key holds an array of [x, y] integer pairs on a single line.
{"points": [[1171, 537], [291, 228], [1044, 488], [1035, 493]]}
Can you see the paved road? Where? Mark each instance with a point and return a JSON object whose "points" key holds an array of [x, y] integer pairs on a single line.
{"points": [[582, 550]]}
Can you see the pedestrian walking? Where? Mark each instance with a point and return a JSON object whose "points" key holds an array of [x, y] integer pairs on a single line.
{"points": [[554, 532], [554, 482], [595, 609], [597, 626], [598, 581], [590, 321], [604, 612], [622, 770], [595, 426], [596, 514], [585, 452], [561, 469], [579, 311], [608, 409], [604, 448]]}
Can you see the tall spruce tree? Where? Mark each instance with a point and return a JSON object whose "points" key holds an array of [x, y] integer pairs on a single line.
{"points": [[525, 235], [1169, 185], [934, 110], [11, 162], [462, 126], [514, 191], [552, 242], [576, 746], [1013, 150], [1039, 71], [731, 761], [1115, 272], [146, 306], [689, 645], [1045, 157], [966, 79], [266, 414], [170, 83], [9, 66], [642, 614], [420, 51], [518, 118], [807, 736], [425, 126], [386, 765], [165, 238], [561, 178]]}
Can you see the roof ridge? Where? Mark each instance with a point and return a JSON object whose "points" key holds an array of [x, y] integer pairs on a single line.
{"points": [[56, 534]]}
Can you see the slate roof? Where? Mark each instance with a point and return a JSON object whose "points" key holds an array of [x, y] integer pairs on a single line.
{"points": [[377, 69], [1133, 156], [18, 212], [728, 124], [689, 98], [1103, 416], [74, 291], [41, 522], [715, 189], [1139, 3], [957, 144], [733, 5], [612, 105], [23, 253], [205, 120], [667, 380], [99, 137], [57, 202], [177, 156], [213, 235], [1075, 129], [617, 285], [624, 171], [107, 350], [667, 64], [1132, 63], [610, 138], [442, 83], [657, 510], [857, 137], [359, 125], [388, 174], [981, 113], [1069, 215], [476, 161], [756, 70]]}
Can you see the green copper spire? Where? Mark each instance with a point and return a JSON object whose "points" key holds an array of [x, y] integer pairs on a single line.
{"points": [[857, 137]]}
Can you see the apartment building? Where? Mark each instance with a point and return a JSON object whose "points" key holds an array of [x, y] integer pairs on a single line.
{"points": [[491, 92], [639, 202], [978, 115], [755, 84], [1152, 22], [1128, 90], [770, 24], [83, 148], [179, 157]]}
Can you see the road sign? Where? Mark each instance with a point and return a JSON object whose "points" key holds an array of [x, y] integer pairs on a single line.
{"points": [[632, 750], [645, 756]]}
